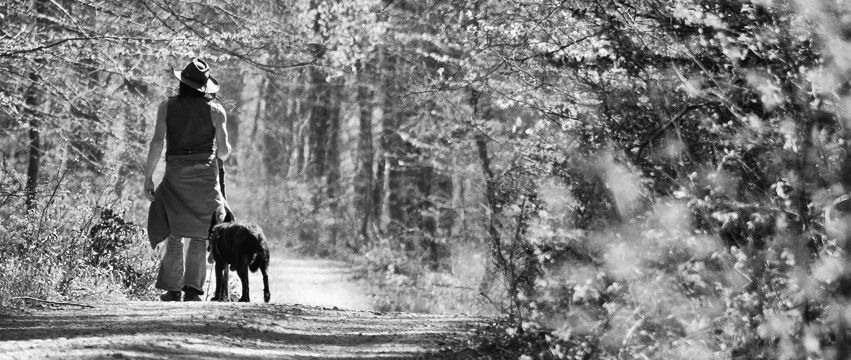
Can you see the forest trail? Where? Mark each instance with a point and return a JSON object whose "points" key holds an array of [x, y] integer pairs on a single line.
{"points": [[307, 281], [316, 312], [157, 330]]}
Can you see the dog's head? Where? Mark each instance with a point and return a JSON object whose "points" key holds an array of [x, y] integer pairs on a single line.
{"points": [[215, 235], [217, 232], [216, 228], [228, 218]]}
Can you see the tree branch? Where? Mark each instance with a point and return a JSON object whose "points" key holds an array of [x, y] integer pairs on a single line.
{"points": [[664, 126], [76, 38], [215, 47], [51, 302]]}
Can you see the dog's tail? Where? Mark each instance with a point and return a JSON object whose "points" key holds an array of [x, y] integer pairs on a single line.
{"points": [[261, 254]]}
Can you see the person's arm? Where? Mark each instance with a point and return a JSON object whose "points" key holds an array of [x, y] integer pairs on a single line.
{"points": [[155, 151], [220, 121]]}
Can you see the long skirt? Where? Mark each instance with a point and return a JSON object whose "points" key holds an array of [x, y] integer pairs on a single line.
{"points": [[186, 200]]}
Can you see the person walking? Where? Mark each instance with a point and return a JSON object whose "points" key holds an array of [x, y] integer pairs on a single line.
{"points": [[191, 125]]}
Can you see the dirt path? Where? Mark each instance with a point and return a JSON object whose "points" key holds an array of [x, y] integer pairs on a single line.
{"points": [[287, 328], [156, 330], [309, 281]]}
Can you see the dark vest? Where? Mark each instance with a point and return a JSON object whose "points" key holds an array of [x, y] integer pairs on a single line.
{"points": [[189, 127]]}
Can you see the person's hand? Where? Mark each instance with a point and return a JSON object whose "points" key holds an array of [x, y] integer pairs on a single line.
{"points": [[148, 189]]}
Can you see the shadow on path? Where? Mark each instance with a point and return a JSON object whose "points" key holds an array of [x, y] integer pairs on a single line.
{"points": [[147, 330]]}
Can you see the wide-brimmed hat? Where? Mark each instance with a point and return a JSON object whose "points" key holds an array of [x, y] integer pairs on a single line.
{"points": [[197, 75]]}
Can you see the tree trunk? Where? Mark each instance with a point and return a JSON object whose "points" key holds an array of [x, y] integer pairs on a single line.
{"points": [[276, 139], [332, 158], [34, 159], [295, 115], [301, 124], [509, 272], [233, 91], [364, 180], [318, 125], [261, 94], [457, 202], [317, 142], [34, 99], [300, 139], [390, 144], [134, 134], [86, 140]]}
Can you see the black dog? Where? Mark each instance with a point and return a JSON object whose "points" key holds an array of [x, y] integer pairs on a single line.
{"points": [[243, 247]]}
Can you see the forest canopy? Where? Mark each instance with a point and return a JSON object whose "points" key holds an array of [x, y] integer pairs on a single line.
{"points": [[633, 179]]}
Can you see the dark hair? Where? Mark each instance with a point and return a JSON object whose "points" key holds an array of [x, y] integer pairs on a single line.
{"points": [[186, 90]]}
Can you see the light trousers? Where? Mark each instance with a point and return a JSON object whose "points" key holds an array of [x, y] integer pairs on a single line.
{"points": [[175, 273]]}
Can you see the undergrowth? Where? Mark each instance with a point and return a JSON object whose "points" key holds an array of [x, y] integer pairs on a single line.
{"points": [[401, 283], [73, 251]]}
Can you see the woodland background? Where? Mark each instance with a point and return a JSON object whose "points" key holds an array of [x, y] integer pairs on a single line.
{"points": [[619, 179]]}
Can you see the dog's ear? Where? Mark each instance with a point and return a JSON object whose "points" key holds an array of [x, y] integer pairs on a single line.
{"points": [[216, 232]]}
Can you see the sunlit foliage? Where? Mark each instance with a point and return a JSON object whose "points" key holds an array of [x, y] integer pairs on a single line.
{"points": [[620, 179]]}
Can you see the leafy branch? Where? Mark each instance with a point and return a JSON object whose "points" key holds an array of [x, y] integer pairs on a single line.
{"points": [[49, 45]]}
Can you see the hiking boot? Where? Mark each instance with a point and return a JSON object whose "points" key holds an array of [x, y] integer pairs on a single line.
{"points": [[170, 296], [190, 294]]}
